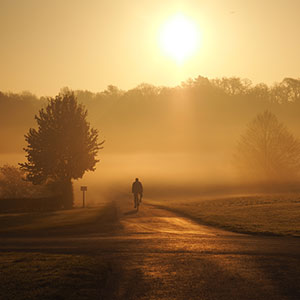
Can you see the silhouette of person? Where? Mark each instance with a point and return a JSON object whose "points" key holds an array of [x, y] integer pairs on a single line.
{"points": [[137, 190]]}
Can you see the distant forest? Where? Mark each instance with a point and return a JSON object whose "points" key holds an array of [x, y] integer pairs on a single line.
{"points": [[201, 115]]}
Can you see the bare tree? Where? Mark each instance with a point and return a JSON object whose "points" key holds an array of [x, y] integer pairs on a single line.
{"points": [[267, 150]]}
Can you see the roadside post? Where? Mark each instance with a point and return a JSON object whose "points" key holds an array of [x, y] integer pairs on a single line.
{"points": [[83, 189]]}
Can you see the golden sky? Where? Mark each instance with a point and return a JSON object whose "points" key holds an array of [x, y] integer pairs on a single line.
{"points": [[89, 44]]}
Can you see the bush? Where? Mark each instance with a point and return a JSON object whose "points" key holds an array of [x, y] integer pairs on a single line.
{"points": [[8, 205], [13, 184]]}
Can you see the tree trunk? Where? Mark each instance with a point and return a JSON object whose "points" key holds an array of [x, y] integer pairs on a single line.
{"points": [[62, 191], [67, 194]]}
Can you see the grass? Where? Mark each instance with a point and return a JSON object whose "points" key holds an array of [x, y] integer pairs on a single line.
{"points": [[77, 221], [257, 214], [54, 276], [58, 273]]}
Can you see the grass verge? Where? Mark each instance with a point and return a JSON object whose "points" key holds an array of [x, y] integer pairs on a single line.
{"points": [[256, 214], [100, 219], [55, 276], [64, 272]]}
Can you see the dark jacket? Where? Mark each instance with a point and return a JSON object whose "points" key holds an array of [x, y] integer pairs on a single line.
{"points": [[137, 187]]}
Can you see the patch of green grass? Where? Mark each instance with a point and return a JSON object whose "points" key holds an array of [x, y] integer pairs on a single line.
{"points": [[263, 214]]}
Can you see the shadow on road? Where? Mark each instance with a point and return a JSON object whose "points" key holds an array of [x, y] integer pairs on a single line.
{"points": [[102, 220], [130, 212]]}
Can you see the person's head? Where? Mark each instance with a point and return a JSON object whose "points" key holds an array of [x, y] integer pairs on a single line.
{"points": [[136, 179]]}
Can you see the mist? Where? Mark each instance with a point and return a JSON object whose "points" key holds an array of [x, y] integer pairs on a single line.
{"points": [[172, 138]]}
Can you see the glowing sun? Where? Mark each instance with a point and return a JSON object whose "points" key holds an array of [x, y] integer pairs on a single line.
{"points": [[179, 38]]}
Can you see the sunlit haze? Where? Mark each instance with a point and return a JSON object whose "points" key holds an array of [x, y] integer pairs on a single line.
{"points": [[150, 149], [46, 45]]}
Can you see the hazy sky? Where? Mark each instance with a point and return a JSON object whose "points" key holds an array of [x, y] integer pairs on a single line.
{"points": [[89, 44]]}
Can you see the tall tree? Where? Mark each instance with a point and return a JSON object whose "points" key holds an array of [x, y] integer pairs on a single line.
{"points": [[63, 146], [267, 150]]}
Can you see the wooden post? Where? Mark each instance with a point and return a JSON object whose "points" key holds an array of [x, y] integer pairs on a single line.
{"points": [[83, 189]]}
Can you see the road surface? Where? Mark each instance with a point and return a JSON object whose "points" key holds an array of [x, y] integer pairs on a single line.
{"points": [[157, 254]]}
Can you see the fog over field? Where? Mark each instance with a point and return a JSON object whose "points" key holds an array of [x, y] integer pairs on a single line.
{"points": [[182, 137]]}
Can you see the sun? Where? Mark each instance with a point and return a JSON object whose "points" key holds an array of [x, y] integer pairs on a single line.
{"points": [[179, 38]]}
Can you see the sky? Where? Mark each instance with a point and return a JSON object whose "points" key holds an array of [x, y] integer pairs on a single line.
{"points": [[90, 44]]}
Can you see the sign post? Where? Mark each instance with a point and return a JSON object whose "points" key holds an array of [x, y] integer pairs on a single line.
{"points": [[83, 189]]}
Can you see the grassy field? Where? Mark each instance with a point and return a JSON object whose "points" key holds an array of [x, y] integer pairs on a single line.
{"points": [[54, 276], [259, 214], [98, 219], [69, 273]]}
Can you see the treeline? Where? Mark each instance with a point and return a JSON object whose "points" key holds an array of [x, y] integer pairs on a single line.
{"points": [[200, 115], [16, 114]]}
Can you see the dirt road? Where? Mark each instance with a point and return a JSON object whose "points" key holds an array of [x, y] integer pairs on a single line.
{"points": [[156, 254]]}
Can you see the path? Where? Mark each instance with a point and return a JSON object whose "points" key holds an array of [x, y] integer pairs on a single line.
{"points": [[160, 255]]}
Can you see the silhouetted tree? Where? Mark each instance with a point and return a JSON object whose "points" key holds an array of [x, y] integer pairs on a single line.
{"points": [[233, 86], [212, 106], [259, 91], [267, 150], [292, 88], [63, 147], [287, 91]]}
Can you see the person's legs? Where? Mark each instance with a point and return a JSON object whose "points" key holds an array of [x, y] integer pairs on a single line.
{"points": [[135, 199]]}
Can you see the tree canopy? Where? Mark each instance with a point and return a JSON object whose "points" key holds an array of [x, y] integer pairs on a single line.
{"points": [[64, 146]]}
